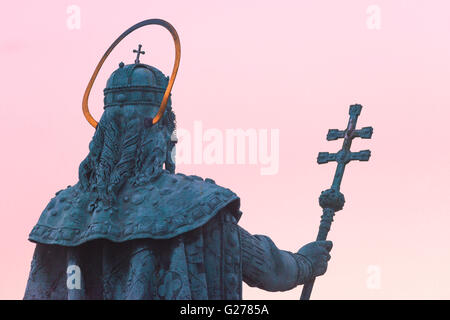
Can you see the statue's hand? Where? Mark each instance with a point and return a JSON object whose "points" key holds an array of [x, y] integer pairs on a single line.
{"points": [[318, 254]]}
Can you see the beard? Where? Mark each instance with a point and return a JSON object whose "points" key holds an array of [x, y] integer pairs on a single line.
{"points": [[125, 149]]}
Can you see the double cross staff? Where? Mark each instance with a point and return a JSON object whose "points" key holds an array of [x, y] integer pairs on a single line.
{"points": [[332, 200]]}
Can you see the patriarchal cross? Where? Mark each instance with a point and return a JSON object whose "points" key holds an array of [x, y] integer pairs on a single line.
{"points": [[332, 200]]}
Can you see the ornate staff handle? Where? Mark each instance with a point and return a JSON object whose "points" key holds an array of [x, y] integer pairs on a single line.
{"points": [[330, 200]]}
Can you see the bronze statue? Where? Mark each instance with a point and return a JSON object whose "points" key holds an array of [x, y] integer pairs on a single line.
{"points": [[132, 228]]}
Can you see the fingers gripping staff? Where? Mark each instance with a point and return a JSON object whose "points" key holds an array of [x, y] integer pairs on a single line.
{"points": [[332, 200]]}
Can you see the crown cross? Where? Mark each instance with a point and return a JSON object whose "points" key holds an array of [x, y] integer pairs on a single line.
{"points": [[139, 52]]}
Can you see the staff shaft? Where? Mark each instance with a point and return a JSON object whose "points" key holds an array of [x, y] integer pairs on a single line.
{"points": [[324, 228]]}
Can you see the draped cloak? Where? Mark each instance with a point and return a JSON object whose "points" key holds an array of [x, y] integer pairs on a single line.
{"points": [[174, 238]]}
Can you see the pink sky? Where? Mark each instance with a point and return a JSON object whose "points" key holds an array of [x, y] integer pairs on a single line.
{"points": [[295, 66]]}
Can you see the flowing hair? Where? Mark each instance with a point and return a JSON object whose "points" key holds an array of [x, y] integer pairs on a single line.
{"points": [[125, 148]]}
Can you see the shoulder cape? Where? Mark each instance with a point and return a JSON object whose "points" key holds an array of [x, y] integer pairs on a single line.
{"points": [[171, 205]]}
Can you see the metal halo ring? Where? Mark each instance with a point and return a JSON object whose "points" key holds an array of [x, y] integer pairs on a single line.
{"points": [[162, 108]]}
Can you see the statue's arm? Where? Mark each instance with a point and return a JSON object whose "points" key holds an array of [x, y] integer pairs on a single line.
{"points": [[269, 268]]}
